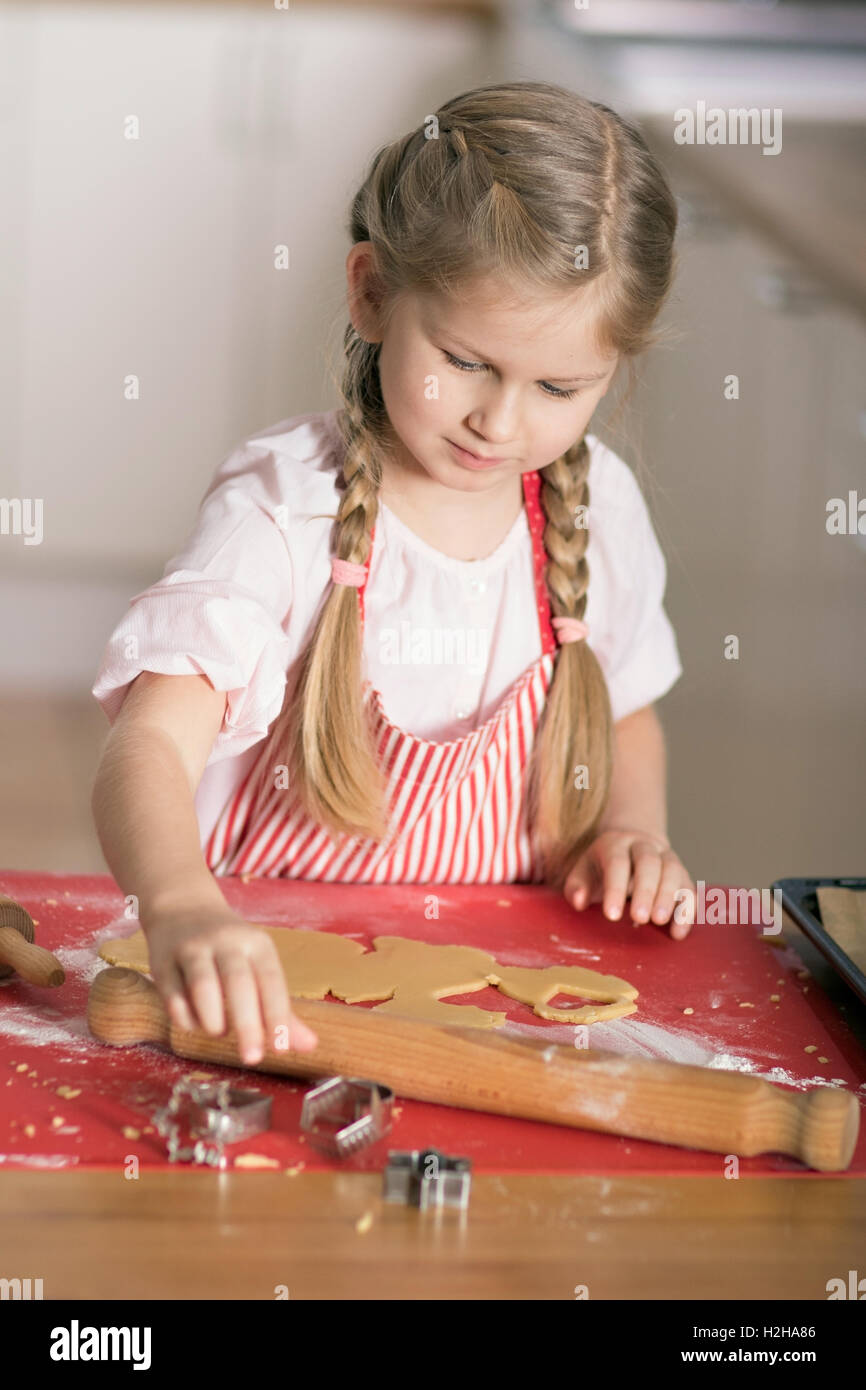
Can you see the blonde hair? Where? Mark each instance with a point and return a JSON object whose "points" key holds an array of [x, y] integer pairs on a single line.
{"points": [[507, 179]]}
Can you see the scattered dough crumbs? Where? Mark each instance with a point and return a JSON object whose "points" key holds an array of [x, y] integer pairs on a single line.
{"points": [[130, 1132], [22, 1066], [688, 1011], [746, 1005], [363, 1224], [30, 1131], [67, 1092], [57, 1121], [774, 998], [293, 1172], [255, 1161], [810, 1048], [823, 1059]]}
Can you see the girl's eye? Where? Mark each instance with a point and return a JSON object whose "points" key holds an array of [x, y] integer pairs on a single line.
{"points": [[480, 367], [556, 391], [466, 366]]}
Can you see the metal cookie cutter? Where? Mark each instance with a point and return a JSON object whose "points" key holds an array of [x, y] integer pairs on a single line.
{"points": [[216, 1110], [345, 1114], [427, 1178]]}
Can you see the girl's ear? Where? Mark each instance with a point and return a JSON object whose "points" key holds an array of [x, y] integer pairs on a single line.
{"points": [[365, 292]]}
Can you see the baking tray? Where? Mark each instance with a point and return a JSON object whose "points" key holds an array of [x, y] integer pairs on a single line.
{"points": [[800, 901]]}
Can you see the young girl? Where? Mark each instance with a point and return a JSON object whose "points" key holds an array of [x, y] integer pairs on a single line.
{"points": [[381, 639]]}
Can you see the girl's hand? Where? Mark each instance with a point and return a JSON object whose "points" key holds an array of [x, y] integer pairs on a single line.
{"points": [[204, 959], [620, 862]]}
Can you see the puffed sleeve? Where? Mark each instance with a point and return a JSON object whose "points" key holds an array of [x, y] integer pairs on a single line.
{"points": [[630, 631], [219, 610]]}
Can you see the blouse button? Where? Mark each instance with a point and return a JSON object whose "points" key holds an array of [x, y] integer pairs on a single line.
{"points": [[477, 586]]}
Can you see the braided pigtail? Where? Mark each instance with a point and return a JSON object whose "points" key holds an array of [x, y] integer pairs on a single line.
{"points": [[570, 770], [324, 723]]}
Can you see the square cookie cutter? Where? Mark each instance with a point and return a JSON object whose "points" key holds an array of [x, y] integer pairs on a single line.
{"points": [[345, 1114], [427, 1178]]}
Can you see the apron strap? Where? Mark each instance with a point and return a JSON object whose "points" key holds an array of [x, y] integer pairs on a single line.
{"points": [[535, 517]]}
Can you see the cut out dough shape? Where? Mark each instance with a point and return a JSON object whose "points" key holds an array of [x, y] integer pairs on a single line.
{"points": [[411, 977]]}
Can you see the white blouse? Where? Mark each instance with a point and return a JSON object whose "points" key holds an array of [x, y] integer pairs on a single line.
{"points": [[444, 639]]}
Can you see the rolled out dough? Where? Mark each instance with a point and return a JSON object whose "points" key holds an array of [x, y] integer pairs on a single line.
{"points": [[411, 977]]}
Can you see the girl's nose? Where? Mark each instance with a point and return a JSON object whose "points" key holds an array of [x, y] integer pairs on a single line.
{"points": [[495, 422]]}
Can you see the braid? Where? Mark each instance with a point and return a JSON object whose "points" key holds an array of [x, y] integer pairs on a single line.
{"points": [[564, 488], [458, 140], [575, 731], [329, 747], [362, 469]]}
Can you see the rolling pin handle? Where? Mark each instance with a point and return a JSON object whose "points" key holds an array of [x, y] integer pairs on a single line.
{"points": [[831, 1120], [31, 962], [124, 1008]]}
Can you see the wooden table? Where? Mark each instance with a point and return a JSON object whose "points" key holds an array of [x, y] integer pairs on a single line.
{"points": [[190, 1235]]}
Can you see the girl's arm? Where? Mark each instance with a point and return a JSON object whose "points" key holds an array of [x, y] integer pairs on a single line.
{"points": [[143, 792], [631, 852], [203, 955], [638, 793]]}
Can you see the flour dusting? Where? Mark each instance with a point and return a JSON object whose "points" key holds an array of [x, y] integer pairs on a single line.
{"points": [[80, 960], [41, 1160], [631, 1037], [32, 1026], [628, 1036]]}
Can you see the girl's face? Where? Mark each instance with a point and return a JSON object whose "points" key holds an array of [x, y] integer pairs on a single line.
{"points": [[513, 380]]}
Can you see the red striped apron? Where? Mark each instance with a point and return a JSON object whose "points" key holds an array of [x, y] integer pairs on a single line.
{"points": [[457, 809]]}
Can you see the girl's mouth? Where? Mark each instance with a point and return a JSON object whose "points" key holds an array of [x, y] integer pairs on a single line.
{"points": [[470, 460]]}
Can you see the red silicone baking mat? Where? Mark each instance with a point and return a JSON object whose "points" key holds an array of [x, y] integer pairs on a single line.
{"points": [[68, 1101]]}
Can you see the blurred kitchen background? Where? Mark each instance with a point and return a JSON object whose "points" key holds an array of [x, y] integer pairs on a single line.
{"points": [[155, 257]]}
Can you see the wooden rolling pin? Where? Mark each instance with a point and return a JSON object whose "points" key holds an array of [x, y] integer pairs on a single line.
{"points": [[17, 951], [725, 1112]]}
